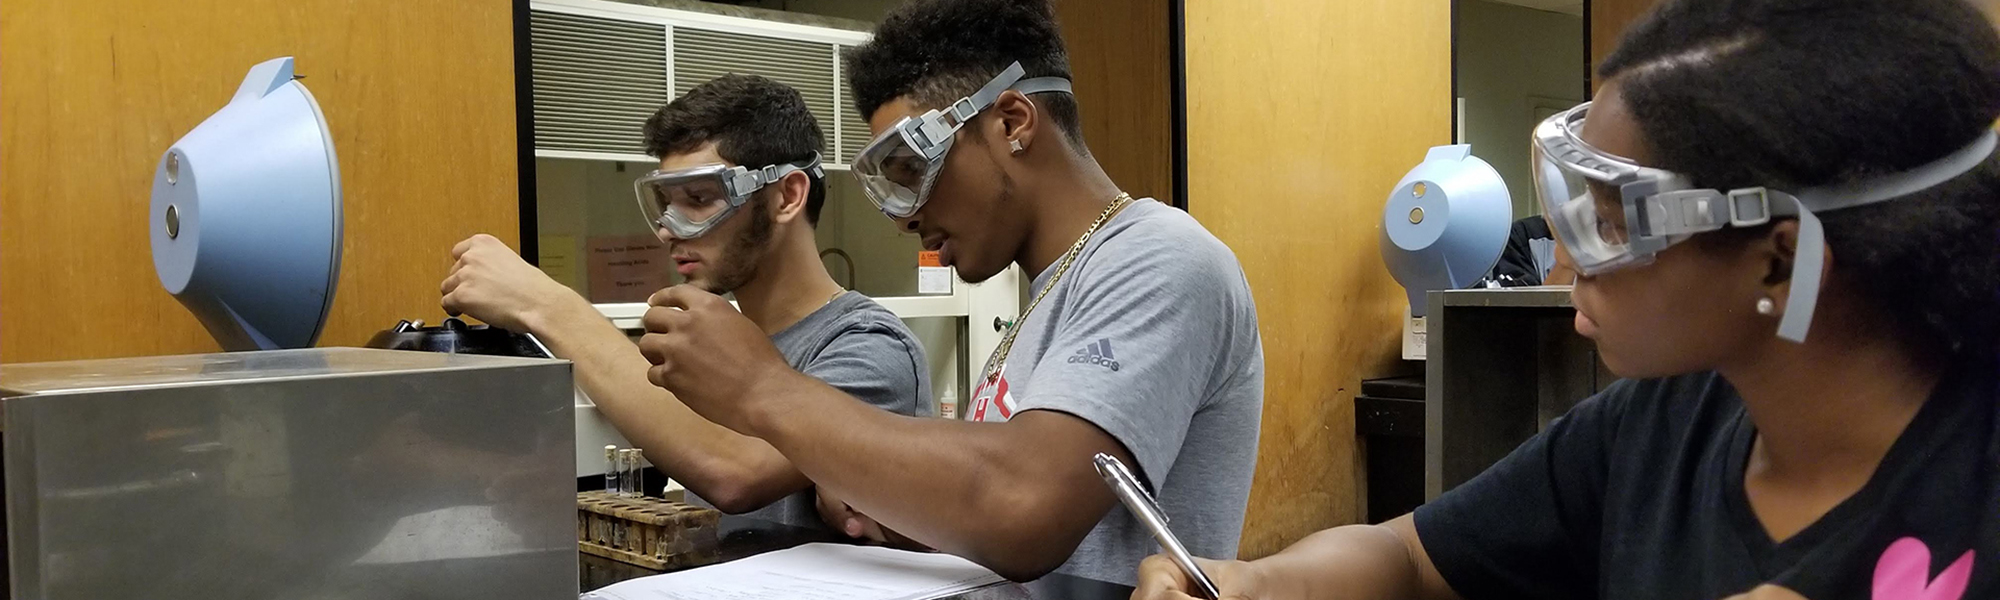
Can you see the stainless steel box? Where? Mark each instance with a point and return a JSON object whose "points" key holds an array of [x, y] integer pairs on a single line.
{"points": [[307, 474]]}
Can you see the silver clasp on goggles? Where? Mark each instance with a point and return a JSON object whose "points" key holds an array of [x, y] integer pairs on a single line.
{"points": [[898, 167], [687, 203], [1661, 208]]}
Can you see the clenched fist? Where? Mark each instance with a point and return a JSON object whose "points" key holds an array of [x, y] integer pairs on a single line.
{"points": [[714, 359], [491, 283]]}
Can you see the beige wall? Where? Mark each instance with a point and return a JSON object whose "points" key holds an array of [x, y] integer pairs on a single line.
{"points": [[885, 257], [92, 92], [1512, 62], [1302, 115]]}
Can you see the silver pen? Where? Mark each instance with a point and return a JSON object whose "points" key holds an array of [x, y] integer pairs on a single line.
{"points": [[1148, 511], [539, 346]]}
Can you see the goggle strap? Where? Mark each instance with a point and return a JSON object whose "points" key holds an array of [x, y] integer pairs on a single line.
{"points": [[1697, 210], [1889, 187], [947, 121], [1043, 84], [1808, 261], [1683, 212], [965, 108], [968, 106], [1809, 258], [751, 181]]}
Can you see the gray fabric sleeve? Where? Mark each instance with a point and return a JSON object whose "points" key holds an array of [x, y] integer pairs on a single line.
{"points": [[1141, 347], [879, 365]]}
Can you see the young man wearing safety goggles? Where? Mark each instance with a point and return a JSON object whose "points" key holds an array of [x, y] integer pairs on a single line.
{"points": [[1140, 340], [736, 198]]}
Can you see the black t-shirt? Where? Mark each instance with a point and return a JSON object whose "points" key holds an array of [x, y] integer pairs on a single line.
{"points": [[1637, 494]]}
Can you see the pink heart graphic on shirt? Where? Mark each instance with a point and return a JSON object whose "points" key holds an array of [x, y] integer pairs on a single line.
{"points": [[1903, 573]]}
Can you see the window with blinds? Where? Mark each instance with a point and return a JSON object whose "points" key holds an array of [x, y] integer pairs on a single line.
{"points": [[597, 79], [853, 135]]}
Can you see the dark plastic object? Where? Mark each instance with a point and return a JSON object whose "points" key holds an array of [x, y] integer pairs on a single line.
{"points": [[456, 337]]}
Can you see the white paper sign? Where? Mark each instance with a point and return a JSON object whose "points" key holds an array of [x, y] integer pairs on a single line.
{"points": [[934, 280]]}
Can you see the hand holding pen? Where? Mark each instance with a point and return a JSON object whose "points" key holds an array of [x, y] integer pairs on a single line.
{"points": [[1160, 578], [1175, 574]]}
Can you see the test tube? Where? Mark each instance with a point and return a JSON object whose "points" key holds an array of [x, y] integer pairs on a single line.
{"points": [[628, 476], [611, 470], [638, 473]]}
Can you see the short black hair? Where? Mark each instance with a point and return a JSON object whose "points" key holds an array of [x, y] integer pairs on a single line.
{"points": [[937, 51], [1793, 94], [753, 121]]}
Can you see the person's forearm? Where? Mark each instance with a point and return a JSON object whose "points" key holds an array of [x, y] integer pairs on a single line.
{"points": [[737, 473], [955, 486], [1356, 562]]}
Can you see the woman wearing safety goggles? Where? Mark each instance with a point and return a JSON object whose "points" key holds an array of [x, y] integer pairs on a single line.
{"points": [[1785, 217]]}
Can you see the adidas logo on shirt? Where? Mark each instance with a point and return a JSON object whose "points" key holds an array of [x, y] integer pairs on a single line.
{"points": [[1097, 353]]}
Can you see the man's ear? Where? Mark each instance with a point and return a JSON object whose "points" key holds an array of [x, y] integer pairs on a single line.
{"points": [[793, 191], [1017, 121]]}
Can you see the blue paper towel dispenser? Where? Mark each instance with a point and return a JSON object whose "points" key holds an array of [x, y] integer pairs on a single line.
{"points": [[1446, 223], [245, 216]]}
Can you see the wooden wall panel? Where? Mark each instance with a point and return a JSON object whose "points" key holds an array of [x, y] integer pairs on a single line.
{"points": [[1302, 115], [1120, 59], [419, 95], [1608, 19]]}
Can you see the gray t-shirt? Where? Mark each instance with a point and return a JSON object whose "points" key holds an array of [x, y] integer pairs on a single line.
{"points": [[858, 347], [1151, 336]]}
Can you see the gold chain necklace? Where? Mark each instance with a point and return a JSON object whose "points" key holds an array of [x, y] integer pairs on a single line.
{"points": [[999, 358]]}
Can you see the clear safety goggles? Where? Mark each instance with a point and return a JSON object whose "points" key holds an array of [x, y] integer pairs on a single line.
{"points": [[898, 168], [1610, 213], [686, 203]]}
